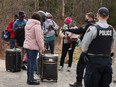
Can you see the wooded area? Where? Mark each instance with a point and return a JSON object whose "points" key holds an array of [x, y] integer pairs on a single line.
{"points": [[58, 8]]}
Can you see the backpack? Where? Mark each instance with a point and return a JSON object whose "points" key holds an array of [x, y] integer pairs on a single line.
{"points": [[20, 35], [5, 35]]}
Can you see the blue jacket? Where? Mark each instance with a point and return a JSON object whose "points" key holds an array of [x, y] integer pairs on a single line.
{"points": [[19, 23]]}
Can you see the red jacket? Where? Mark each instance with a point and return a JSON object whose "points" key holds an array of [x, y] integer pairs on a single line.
{"points": [[10, 28]]}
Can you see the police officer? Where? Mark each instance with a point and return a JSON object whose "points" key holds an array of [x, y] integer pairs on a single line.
{"points": [[89, 20], [97, 44]]}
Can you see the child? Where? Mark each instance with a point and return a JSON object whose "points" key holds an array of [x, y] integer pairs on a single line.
{"points": [[72, 37]]}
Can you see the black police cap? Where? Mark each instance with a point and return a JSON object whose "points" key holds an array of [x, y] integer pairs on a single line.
{"points": [[103, 11]]}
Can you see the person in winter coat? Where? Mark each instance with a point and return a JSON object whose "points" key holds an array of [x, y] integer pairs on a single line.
{"points": [[10, 30], [20, 21], [66, 45], [81, 63], [34, 42], [49, 28]]}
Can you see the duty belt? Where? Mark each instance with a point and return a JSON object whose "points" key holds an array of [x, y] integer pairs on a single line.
{"points": [[90, 54]]}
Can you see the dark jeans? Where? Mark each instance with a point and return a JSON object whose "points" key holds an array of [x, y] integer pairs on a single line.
{"points": [[31, 63], [98, 72], [51, 45], [65, 49], [80, 67], [12, 43]]}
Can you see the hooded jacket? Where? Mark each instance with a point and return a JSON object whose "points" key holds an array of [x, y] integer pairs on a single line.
{"points": [[34, 39], [10, 29]]}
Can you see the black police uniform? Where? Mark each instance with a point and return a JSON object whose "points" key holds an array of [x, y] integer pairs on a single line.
{"points": [[99, 70], [81, 63]]}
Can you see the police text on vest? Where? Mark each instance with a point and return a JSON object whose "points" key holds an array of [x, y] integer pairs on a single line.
{"points": [[105, 32]]}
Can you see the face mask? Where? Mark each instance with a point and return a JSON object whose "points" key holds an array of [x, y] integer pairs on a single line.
{"points": [[86, 20], [48, 19]]}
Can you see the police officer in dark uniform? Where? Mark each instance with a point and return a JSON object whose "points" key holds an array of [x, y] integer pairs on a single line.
{"points": [[97, 44], [89, 20]]}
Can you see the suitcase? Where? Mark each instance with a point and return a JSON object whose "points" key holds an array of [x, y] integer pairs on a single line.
{"points": [[38, 61], [49, 67], [13, 60], [38, 64]]}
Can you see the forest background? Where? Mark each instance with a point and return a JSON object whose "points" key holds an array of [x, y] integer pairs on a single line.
{"points": [[58, 8]]}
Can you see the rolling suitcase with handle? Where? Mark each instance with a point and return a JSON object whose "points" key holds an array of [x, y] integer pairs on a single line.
{"points": [[39, 61], [49, 67], [13, 60]]}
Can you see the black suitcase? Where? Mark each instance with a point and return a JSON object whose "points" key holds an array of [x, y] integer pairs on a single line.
{"points": [[13, 60], [49, 67], [39, 61], [38, 64]]}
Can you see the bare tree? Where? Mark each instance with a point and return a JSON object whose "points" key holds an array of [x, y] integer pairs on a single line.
{"points": [[63, 8]]}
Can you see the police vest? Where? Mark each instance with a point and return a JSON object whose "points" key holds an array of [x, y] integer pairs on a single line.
{"points": [[103, 41]]}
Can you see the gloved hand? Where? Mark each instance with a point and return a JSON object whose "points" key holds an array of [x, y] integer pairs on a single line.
{"points": [[112, 54], [50, 27], [64, 30]]}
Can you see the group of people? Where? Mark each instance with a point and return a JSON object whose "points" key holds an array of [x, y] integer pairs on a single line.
{"points": [[96, 54], [40, 34], [18, 21]]}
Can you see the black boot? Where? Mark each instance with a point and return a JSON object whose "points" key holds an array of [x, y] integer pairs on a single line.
{"points": [[76, 84], [33, 82], [24, 67]]}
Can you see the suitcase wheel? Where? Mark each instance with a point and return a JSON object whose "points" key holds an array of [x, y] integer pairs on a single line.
{"points": [[48, 79], [55, 80], [6, 69]]}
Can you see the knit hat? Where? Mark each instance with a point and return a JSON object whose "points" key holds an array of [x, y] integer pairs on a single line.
{"points": [[72, 24], [68, 20], [21, 13], [42, 14], [48, 15]]}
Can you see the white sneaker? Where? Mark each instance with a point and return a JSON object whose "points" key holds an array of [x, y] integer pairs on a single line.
{"points": [[70, 49], [68, 69], [61, 68]]}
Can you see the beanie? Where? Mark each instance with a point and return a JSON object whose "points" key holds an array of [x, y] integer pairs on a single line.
{"points": [[68, 20]]}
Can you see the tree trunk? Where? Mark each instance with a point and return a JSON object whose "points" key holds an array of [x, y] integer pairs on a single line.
{"points": [[63, 8]]}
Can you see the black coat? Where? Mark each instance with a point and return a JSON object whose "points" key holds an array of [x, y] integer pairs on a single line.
{"points": [[81, 30]]}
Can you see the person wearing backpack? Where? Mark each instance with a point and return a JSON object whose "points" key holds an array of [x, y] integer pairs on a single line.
{"points": [[49, 29], [20, 21], [10, 30], [18, 27]]}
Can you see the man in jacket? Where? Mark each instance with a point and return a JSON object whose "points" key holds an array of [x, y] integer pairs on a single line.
{"points": [[89, 20]]}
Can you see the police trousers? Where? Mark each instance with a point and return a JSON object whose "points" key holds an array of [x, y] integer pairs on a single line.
{"points": [[80, 67], [98, 72]]}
